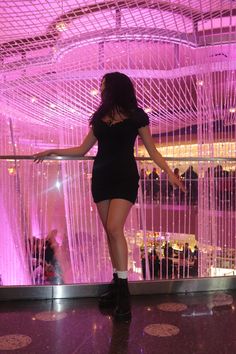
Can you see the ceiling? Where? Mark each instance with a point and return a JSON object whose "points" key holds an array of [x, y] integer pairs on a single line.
{"points": [[180, 54]]}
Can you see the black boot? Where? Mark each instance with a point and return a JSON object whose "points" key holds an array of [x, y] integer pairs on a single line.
{"points": [[108, 298], [123, 309]]}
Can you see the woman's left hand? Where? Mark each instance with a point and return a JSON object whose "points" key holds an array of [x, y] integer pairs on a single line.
{"points": [[176, 182]]}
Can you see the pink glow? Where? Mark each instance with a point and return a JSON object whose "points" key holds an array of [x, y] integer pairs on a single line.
{"points": [[13, 264], [182, 63]]}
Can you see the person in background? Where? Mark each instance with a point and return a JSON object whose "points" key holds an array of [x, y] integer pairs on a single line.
{"points": [[167, 261], [178, 195], [154, 185], [191, 184], [187, 251], [143, 181], [154, 264]]}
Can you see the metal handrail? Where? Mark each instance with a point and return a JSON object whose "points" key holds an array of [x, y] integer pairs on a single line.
{"points": [[190, 158]]}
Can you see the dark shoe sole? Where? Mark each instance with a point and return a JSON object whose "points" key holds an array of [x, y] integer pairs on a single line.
{"points": [[123, 317], [106, 304]]}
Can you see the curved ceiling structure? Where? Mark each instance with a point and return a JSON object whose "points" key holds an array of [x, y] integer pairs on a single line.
{"points": [[54, 53]]}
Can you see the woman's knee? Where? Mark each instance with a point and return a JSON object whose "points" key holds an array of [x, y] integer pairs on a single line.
{"points": [[114, 231]]}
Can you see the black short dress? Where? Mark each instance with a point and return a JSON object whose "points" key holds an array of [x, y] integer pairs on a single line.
{"points": [[115, 173]]}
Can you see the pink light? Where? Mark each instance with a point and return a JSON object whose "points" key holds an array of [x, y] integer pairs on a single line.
{"points": [[13, 263]]}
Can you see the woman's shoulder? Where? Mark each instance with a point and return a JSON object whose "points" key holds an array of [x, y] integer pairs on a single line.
{"points": [[140, 117], [138, 110]]}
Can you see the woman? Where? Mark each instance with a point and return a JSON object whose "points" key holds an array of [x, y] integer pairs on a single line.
{"points": [[115, 126]]}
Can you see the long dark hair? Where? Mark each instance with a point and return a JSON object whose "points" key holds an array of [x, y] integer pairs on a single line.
{"points": [[117, 96]]}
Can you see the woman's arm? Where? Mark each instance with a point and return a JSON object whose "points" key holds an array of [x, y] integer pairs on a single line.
{"points": [[159, 160], [81, 150]]}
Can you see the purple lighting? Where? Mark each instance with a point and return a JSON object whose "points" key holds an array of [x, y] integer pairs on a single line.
{"points": [[13, 267], [182, 62]]}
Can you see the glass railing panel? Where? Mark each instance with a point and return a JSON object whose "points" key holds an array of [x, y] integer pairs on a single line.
{"points": [[51, 232]]}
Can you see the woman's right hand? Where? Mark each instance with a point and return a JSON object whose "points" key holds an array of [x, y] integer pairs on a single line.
{"points": [[40, 156], [176, 182]]}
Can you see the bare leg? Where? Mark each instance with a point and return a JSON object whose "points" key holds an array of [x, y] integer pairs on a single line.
{"points": [[117, 214], [103, 208], [113, 214]]}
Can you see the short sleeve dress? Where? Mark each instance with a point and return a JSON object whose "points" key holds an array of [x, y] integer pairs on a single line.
{"points": [[115, 173]]}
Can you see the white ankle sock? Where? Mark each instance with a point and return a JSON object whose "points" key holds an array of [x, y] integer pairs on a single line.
{"points": [[122, 274]]}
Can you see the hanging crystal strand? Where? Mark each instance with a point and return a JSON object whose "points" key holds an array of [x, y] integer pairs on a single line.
{"points": [[143, 214], [205, 135], [68, 184], [230, 136], [22, 242], [14, 262]]}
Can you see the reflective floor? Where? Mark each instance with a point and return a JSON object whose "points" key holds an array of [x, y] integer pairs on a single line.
{"points": [[177, 324]]}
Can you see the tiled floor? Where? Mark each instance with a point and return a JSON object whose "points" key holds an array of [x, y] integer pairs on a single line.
{"points": [[199, 323]]}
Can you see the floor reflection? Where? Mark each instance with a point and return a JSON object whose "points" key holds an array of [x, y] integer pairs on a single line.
{"points": [[180, 324]]}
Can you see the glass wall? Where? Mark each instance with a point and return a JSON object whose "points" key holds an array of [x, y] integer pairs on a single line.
{"points": [[51, 232]]}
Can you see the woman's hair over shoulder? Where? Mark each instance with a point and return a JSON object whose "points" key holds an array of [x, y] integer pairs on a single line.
{"points": [[118, 95]]}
